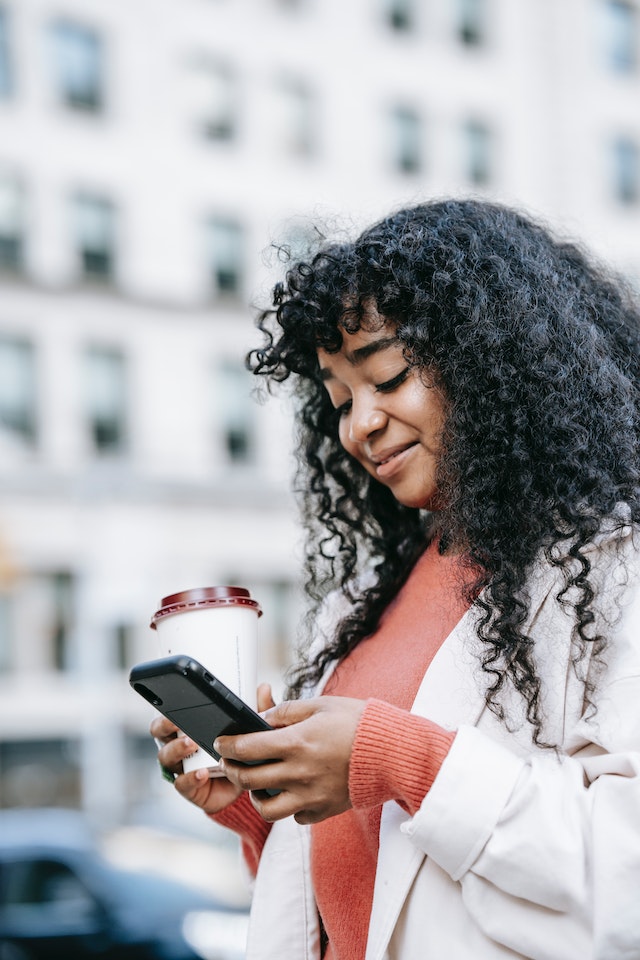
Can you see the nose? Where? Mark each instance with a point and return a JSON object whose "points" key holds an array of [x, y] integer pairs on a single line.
{"points": [[366, 419]]}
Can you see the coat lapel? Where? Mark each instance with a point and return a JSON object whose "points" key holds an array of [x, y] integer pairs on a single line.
{"points": [[451, 694]]}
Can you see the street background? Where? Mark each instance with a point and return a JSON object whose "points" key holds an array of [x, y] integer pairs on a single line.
{"points": [[155, 157]]}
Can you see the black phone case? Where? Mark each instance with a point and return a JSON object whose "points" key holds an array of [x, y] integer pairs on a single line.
{"points": [[196, 701]]}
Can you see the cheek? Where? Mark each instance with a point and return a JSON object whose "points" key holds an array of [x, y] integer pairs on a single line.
{"points": [[427, 413], [343, 434]]}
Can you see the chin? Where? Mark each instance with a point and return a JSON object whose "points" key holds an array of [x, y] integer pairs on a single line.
{"points": [[418, 502]]}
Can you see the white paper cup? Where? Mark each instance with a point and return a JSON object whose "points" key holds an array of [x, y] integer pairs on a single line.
{"points": [[218, 626]]}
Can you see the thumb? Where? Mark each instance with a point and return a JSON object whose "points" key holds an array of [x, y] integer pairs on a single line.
{"points": [[291, 711]]}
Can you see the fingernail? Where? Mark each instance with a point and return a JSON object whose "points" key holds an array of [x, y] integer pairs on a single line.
{"points": [[202, 774], [215, 746]]}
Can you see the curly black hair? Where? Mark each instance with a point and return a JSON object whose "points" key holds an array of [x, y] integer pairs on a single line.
{"points": [[537, 350]]}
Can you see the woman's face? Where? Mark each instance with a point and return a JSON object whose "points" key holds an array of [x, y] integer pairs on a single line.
{"points": [[390, 421]]}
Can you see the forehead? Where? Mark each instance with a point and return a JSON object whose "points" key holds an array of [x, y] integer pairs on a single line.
{"points": [[358, 346]]}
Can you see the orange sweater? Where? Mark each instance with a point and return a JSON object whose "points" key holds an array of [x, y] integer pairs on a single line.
{"points": [[396, 754]]}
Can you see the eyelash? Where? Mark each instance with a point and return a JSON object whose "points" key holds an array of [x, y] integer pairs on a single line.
{"points": [[387, 387], [390, 385]]}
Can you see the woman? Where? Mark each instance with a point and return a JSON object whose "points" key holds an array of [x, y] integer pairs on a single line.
{"points": [[458, 762]]}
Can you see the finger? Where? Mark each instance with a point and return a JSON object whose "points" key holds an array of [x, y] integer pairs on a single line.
{"points": [[292, 711], [174, 752], [273, 808], [210, 794], [252, 747], [162, 729], [264, 776]]}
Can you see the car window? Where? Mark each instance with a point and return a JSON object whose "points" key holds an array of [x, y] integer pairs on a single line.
{"points": [[43, 881], [48, 895]]}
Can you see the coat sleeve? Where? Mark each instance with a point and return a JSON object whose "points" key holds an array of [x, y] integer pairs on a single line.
{"points": [[547, 848]]}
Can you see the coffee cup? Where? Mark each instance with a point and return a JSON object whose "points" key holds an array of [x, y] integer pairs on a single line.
{"points": [[218, 626]]}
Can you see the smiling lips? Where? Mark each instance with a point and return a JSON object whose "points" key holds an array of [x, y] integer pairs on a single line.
{"points": [[391, 460]]}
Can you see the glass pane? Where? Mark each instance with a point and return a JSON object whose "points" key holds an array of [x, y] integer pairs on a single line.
{"points": [[62, 588], [626, 160], [297, 126], [620, 35], [406, 139], [94, 229], [471, 21], [234, 411], [6, 84], [78, 65], [5, 632], [399, 14], [105, 391], [12, 217], [38, 773], [18, 389], [478, 153], [41, 621], [299, 240], [217, 101], [123, 637], [226, 256]]}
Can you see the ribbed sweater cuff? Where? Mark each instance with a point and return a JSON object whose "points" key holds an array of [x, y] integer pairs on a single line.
{"points": [[242, 817], [396, 756]]}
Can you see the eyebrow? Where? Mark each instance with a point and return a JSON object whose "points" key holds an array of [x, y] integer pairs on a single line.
{"points": [[360, 354]]}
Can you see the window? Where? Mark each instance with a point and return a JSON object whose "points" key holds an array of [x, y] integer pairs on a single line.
{"points": [[78, 66], [626, 171], [94, 232], [282, 606], [406, 139], [42, 621], [5, 632], [620, 35], [216, 97], [478, 147], [18, 390], [296, 108], [122, 648], [399, 15], [61, 587], [471, 26], [298, 239], [226, 256], [36, 773], [12, 223], [234, 412], [6, 72], [106, 398]]}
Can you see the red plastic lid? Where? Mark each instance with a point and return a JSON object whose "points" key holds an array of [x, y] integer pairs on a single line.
{"points": [[201, 597]]}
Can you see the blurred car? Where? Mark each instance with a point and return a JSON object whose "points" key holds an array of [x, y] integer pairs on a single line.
{"points": [[61, 900]]}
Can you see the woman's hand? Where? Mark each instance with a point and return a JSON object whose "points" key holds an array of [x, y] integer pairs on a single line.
{"points": [[211, 794], [311, 748]]}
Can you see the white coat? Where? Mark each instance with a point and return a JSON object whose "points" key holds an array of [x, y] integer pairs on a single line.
{"points": [[515, 851]]}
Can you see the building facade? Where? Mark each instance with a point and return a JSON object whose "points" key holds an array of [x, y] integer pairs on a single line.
{"points": [[153, 158]]}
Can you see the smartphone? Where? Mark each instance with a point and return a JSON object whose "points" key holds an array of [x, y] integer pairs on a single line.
{"points": [[199, 704]]}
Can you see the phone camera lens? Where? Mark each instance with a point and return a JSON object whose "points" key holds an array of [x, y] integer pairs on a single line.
{"points": [[149, 695]]}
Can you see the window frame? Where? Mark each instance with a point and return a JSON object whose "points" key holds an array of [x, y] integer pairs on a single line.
{"points": [[96, 262], [226, 241], [85, 94], [108, 429], [21, 423]]}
